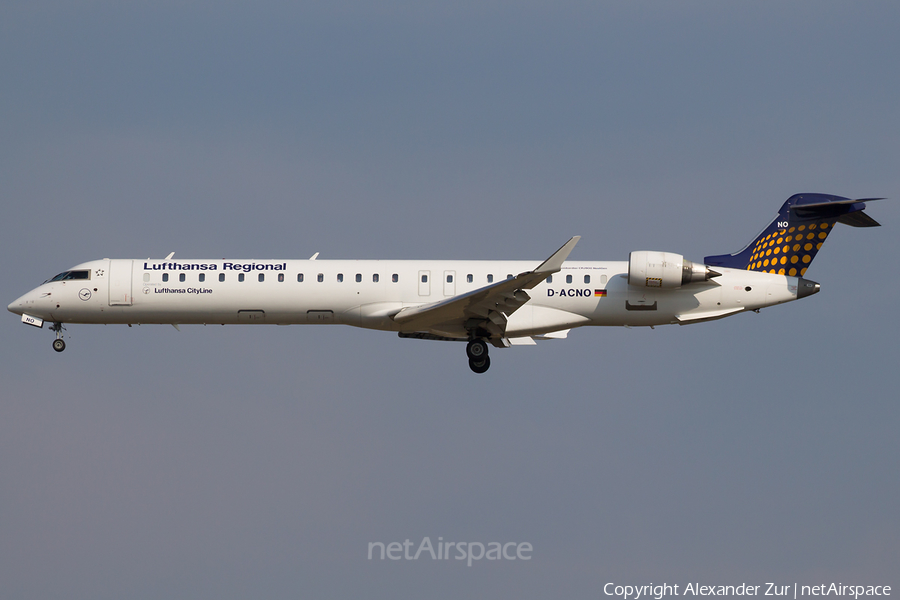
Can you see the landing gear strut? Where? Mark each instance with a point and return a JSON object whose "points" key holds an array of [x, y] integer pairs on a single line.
{"points": [[59, 344], [477, 351]]}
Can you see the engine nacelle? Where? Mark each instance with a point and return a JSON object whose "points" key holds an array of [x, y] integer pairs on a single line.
{"points": [[665, 270]]}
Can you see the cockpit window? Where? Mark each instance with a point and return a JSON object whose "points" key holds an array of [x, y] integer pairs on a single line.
{"points": [[67, 275]]}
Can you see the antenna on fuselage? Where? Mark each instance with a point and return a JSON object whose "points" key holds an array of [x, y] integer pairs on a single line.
{"points": [[171, 254], [313, 257]]}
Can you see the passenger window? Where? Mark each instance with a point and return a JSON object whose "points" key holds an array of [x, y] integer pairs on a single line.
{"points": [[146, 276], [603, 279], [375, 278], [587, 278], [358, 277], [394, 278], [240, 276], [469, 278], [320, 278], [262, 277], [181, 277], [202, 277], [280, 277], [340, 277], [568, 279], [221, 276], [490, 279], [424, 278], [449, 278], [299, 277], [165, 276], [549, 278]]}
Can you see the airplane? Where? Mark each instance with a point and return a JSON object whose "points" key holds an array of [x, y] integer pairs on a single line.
{"points": [[497, 303]]}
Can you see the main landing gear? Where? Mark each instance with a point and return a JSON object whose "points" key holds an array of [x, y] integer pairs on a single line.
{"points": [[59, 344], [477, 351]]}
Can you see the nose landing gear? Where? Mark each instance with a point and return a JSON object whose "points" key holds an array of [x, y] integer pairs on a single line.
{"points": [[477, 351], [59, 344]]}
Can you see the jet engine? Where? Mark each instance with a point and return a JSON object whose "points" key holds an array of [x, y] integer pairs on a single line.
{"points": [[665, 270]]}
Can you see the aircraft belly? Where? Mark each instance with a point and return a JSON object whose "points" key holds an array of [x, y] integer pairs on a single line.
{"points": [[196, 307], [624, 305]]}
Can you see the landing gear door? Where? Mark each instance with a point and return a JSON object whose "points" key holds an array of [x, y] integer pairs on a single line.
{"points": [[120, 282]]}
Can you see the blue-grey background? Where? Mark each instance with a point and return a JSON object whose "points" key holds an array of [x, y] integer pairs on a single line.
{"points": [[236, 462]]}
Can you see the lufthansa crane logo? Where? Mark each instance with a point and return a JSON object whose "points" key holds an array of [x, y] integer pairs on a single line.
{"points": [[84, 294]]}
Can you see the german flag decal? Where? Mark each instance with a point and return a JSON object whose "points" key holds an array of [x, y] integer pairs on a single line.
{"points": [[599, 293]]}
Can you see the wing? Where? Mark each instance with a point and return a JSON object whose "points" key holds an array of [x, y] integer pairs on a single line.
{"points": [[486, 308]]}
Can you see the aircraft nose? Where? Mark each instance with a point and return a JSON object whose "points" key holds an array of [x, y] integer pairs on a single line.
{"points": [[15, 306], [806, 287], [22, 303]]}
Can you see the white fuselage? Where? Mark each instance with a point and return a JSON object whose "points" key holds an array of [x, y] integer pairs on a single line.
{"points": [[367, 293]]}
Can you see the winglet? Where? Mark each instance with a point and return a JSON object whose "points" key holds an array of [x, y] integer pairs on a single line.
{"points": [[553, 264]]}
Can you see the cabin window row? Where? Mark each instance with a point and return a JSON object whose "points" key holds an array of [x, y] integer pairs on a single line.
{"points": [[262, 277], [340, 277]]}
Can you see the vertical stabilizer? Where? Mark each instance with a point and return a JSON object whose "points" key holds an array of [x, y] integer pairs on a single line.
{"points": [[790, 242]]}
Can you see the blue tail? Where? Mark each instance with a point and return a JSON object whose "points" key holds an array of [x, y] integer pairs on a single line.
{"points": [[789, 243]]}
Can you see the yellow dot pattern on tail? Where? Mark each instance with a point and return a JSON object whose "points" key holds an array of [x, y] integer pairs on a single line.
{"points": [[789, 251]]}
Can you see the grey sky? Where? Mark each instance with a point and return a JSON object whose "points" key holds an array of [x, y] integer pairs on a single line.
{"points": [[259, 462]]}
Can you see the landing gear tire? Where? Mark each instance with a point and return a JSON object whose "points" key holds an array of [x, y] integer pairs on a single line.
{"points": [[477, 350], [59, 345], [480, 366]]}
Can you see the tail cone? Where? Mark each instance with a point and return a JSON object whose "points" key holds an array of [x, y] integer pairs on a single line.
{"points": [[805, 288]]}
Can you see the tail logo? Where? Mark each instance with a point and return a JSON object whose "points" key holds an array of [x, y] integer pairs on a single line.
{"points": [[788, 254]]}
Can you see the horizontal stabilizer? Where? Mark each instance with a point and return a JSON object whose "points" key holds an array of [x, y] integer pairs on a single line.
{"points": [[821, 206], [834, 202], [858, 219]]}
